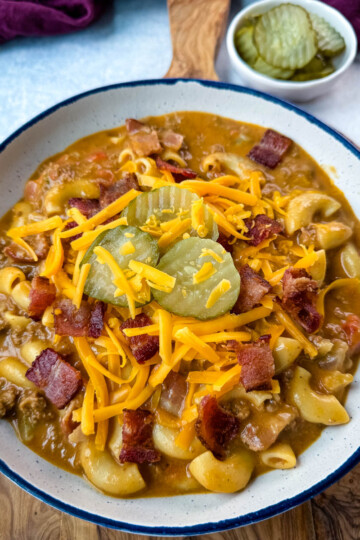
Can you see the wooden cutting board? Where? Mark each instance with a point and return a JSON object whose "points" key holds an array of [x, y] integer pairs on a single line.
{"points": [[197, 27]]}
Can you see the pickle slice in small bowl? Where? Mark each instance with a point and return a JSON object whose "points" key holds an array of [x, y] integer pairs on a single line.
{"points": [[285, 38], [330, 42]]}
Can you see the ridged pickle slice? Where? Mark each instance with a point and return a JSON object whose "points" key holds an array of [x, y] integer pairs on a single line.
{"points": [[245, 45], [330, 42], [285, 37], [317, 68], [207, 282], [153, 208], [275, 72], [124, 244]]}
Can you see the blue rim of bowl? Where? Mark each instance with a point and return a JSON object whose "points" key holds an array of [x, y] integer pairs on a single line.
{"points": [[222, 525]]}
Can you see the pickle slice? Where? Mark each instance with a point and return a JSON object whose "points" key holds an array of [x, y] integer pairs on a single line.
{"points": [[99, 283], [285, 37], [245, 44], [192, 289], [303, 76], [152, 208], [275, 72], [330, 42]]}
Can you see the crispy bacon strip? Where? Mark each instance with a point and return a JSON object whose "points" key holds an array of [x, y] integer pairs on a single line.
{"points": [[271, 149], [59, 380], [252, 289], [88, 207], [224, 242], [143, 347], [179, 173], [173, 393], [144, 140], [88, 320], [299, 298], [109, 194], [257, 364], [138, 446], [261, 228], [42, 295], [215, 427]]}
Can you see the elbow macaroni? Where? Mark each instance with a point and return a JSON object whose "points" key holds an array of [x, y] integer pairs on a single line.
{"points": [[315, 407], [279, 456]]}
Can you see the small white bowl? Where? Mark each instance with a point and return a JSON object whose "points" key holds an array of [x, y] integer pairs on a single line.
{"points": [[293, 90]]}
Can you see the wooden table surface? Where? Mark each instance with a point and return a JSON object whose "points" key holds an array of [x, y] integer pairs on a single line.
{"points": [[333, 515]]}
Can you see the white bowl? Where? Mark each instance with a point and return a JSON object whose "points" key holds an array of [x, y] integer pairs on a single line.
{"points": [[292, 90], [331, 456]]}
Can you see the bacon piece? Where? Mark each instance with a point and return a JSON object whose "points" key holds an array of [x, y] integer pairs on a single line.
{"points": [[88, 320], [143, 139], [261, 228], [224, 242], [68, 226], [88, 207], [257, 364], [39, 244], [42, 295], [96, 322], [145, 346], [351, 328], [59, 380], [173, 393], [138, 446], [215, 427], [252, 289], [133, 126], [271, 149], [171, 139], [179, 173], [110, 193], [299, 298], [263, 428]]}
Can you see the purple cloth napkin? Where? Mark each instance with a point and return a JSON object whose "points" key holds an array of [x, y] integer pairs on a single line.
{"points": [[46, 17], [351, 10]]}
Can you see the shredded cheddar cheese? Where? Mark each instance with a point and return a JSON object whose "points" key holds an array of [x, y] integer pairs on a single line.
{"points": [[218, 291], [153, 275], [127, 249], [206, 271]]}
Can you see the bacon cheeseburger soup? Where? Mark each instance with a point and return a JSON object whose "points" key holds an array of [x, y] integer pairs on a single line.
{"points": [[180, 306]]}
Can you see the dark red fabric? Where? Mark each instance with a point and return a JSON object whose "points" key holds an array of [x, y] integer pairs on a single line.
{"points": [[215, 427], [59, 380], [138, 446], [351, 10], [145, 346], [46, 18], [42, 295]]}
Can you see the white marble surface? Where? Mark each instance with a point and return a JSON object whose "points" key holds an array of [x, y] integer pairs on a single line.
{"points": [[131, 41]]}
